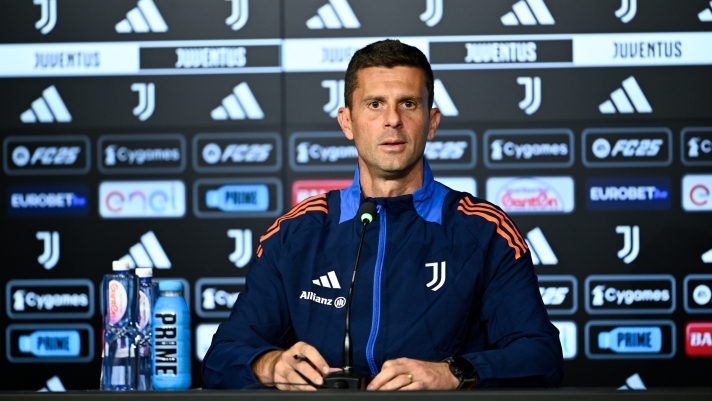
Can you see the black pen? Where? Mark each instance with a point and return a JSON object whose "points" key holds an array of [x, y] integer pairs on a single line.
{"points": [[301, 358]]}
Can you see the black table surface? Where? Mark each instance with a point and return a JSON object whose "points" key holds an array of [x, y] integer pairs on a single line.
{"points": [[266, 395]]}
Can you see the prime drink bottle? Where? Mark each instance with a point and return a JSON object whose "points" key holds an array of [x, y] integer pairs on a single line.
{"points": [[171, 338]]}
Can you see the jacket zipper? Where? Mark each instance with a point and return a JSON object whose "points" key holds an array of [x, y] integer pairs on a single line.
{"points": [[376, 317]]}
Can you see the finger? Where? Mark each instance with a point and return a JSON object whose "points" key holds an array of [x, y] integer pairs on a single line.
{"points": [[397, 383], [417, 385], [298, 382], [389, 371], [314, 357], [285, 373], [309, 372]]}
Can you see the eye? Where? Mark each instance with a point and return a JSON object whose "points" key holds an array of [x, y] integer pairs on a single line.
{"points": [[374, 104], [409, 104]]}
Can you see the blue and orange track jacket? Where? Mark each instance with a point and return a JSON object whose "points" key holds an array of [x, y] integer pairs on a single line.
{"points": [[441, 274]]}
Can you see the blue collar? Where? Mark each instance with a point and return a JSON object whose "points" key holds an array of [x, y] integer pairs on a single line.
{"points": [[428, 199]]}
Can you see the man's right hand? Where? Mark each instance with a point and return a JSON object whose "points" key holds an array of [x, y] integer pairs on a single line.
{"points": [[277, 367]]}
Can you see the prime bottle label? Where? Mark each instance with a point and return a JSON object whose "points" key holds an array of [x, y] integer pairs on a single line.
{"points": [[166, 344]]}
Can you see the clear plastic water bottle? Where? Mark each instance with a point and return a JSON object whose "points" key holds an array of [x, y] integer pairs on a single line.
{"points": [[119, 293], [171, 338], [148, 291]]}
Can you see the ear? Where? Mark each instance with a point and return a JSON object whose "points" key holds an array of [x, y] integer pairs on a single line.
{"points": [[434, 122], [344, 118]]}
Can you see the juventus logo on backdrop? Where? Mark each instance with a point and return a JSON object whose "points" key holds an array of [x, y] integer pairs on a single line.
{"points": [[243, 247], [540, 250], [433, 12], [239, 15], [147, 253], [631, 243], [622, 102], [48, 17], [336, 96], [335, 14], [529, 12], [47, 108], [438, 275], [627, 10], [532, 94], [50, 256], [141, 19], [146, 99]]}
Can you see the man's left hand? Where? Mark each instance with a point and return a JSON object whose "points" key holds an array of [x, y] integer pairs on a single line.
{"points": [[412, 374]]}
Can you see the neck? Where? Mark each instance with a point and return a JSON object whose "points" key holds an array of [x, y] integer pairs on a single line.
{"points": [[375, 185]]}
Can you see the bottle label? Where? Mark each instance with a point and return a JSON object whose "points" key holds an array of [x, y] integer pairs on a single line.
{"points": [[117, 302], [144, 305]]}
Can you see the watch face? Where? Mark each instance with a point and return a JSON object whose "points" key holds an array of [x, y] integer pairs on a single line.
{"points": [[464, 366]]}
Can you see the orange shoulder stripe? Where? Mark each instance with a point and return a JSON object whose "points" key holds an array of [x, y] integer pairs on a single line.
{"points": [[517, 250], [510, 229], [499, 212], [315, 203]]}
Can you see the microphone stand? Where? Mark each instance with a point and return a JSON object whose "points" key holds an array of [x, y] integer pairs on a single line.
{"points": [[348, 379]]}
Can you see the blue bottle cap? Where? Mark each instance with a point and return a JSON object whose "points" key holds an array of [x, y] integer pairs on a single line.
{"points": [[170, 285]]}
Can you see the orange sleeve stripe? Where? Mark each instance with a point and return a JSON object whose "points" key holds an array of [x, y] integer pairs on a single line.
{"points": [[304, 211], [512, 231], [321, 198], [501, 213], [517, 251], [294, 212], [259, 250]]}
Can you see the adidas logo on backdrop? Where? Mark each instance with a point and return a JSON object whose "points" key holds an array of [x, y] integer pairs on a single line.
{"points": [[635, 101], [143, 18], [441, 100], [240, 104], [147, 253], [335, 14], [706, 14], [529, 12], [329, 281], [47, 109], [540, 249]]}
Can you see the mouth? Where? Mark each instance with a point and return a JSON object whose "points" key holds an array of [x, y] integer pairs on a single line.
{"points": [[392, 145]]}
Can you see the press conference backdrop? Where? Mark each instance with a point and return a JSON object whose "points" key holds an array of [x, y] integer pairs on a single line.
{"points": [[172, 133]]}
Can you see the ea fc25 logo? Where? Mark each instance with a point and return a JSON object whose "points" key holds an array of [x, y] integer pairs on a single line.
{"points": [[141, 154], [532, 194], [628, 193], [630, 294], [627, 147], [229, 198], [697, 193], [141, 199], [559, 294], [225, 153], [530, 148], [46, 155], [48, 200], [215, 296]]}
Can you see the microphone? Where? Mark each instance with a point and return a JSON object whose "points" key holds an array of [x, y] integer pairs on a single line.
{"points": [[347, 378]]}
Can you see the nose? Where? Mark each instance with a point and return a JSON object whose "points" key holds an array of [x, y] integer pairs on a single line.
{"points": [[393, 118]]}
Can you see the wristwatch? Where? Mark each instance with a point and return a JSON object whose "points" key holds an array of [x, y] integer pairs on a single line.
{"points": [[464, 370]]}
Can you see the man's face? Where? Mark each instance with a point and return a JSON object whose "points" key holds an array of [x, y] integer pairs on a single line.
{"points": [[390, 120]]}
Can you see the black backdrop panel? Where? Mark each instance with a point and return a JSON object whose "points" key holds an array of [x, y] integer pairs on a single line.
{"points": [[595, 114]]}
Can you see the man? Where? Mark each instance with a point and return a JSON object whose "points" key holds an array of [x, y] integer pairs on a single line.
{"points": [[445, 295]]}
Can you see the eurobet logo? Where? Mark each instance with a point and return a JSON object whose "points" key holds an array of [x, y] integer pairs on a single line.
{"points": [[303, 189], [141, 199], [48, 200], [698, 339], [628, 193], [532, 194], [696, 195]]}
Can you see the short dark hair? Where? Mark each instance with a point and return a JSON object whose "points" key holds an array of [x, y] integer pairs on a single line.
{"points": [[387, 53]]}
